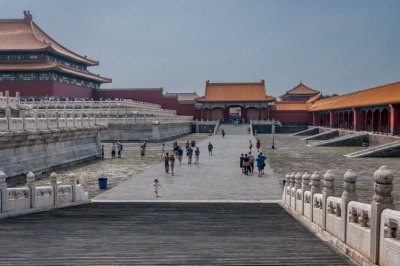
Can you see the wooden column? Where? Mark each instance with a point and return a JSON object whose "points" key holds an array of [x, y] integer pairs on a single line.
{"points": [[357, 118], [394, 119]]}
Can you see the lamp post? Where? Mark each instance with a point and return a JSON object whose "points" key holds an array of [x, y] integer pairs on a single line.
{"points": [[273, 141]]}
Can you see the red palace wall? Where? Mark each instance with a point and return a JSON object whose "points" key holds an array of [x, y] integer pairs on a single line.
{"points": [[292, 116], [65, 90], [151, 96], [28, 88]]}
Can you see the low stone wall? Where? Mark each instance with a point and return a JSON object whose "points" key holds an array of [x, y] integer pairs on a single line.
{"points": [[283, 129], [41, 151], [141, 132]]}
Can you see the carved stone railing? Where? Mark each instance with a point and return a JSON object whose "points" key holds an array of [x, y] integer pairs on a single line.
{"points": [[369, 233], [44, 197]]}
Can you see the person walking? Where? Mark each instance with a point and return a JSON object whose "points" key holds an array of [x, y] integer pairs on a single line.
{"points": [[223, 133], [189, 155], [166, 162], [197, 154], [113, 148], [260, 163], [156, 186], [102, 151], [210, 148], [180, 154], [250, 145], [241, 162], [172, 163], [162, 149], [251, 161], [119, 148], [142, 151], [246, 164], [258, 145], [263, 158]]}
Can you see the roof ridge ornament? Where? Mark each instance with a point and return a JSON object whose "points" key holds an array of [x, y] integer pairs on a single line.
{"points": [[27, 16]]}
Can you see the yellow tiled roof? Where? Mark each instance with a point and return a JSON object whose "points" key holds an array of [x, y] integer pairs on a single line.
{"points": [[291, 106]]}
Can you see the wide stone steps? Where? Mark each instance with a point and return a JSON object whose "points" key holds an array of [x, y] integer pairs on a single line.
{"points": [[163, 233], [340, 141], [323, 135], [241, 129], [392, 148], [307, 132]]}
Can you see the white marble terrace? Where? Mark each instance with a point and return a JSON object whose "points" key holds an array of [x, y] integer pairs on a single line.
{"points": [[50, 114], [369, 233]]}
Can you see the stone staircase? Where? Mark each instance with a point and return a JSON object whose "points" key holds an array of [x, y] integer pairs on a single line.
{"points": [[388, 149], [355, 139], [241, 129], [160, 233]]}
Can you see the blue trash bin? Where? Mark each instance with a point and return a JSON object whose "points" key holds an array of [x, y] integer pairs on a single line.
{"points": [[102, 183]]}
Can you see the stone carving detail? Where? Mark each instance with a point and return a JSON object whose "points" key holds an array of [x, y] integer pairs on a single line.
{"points": [[391, 229], [383, 185], [298, 180], [349, 185], [329, 182], [306, 181], [315, 183]]}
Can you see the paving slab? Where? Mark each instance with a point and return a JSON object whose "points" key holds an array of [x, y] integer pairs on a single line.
{"points": [[216, 177]]}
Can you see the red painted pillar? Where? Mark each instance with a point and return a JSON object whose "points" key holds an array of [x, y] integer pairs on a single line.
{"points": [[380, 122], [357, 119], [268, 113], [201, 113], [394, 120], [259, 113], [244, 114], [333, 119]]}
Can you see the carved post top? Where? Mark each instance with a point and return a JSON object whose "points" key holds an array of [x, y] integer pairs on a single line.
{"points": [[350, 176], [72, 179], [53, 179], [306, 181], [383, 186], [3, 177], [298, 180], [329, 182], [287, 178], [315, 177], [292, 179], [30, 179]]}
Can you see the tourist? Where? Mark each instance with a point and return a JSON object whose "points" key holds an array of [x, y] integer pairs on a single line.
{"points": [[197, 154], [210, 148], [187, 145], [241, 162], [142, 151], [102, 151], [248, 130], [166, 161], [162, 149], [119, 148], [223, 133], [251, 161], [113, 148], [258, 145], [260, 163], [172, 163], [189, 155], [180, 154], [263, 158], [156, 185], [246, 164], [250, 145]]}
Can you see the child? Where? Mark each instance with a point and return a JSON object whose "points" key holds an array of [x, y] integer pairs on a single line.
{"points": [[156, 185], [172, 161], [180, 154], [166, 160], [210, 148]]}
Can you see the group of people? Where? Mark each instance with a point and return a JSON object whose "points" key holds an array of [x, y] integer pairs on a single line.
{"points": [[115, 148], [247, 160]]}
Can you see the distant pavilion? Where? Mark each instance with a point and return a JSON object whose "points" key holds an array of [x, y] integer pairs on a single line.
{"points": [[244, 100]]}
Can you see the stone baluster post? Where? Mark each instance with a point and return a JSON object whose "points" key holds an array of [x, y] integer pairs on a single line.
{"points": [[297, 186], [17, 95], [81, 116], [30, 182], [327, 191], [22, 114], [53, 183], [349, 194], [117, 114], [285, 189], [8, 116], [58, 119], [3, 192], [7, 95], [315, 188], [72, 182], [305, 185], [292, 184], [381, 200], [126, 116], [46, 115], [35, 115]]}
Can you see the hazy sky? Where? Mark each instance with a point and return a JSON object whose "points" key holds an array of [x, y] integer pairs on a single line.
{"points": [[332, 46]]}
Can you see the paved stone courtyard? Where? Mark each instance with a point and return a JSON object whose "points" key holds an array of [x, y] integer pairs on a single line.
{"points": [[217, 177], [291, 155]]}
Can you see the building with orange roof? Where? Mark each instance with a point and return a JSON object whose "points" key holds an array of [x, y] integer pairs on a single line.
{"points": [[299, 93], [376, 110], [34, 64], [226, 101]]}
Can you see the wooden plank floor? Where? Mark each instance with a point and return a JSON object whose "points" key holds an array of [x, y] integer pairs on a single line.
{"points": [[162, 233]]}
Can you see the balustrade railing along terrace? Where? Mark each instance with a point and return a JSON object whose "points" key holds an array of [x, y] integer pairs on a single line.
{"points": [[369, 233]]}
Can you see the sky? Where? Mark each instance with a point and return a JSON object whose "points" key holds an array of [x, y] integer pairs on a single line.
{"points": [[333, 46]]}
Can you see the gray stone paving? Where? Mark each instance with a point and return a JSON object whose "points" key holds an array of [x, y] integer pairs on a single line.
{"points": [[217, 177]]}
